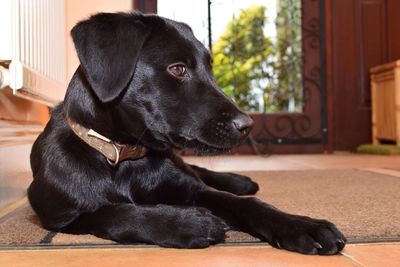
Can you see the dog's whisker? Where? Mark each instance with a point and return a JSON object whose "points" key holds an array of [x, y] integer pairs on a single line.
{"points": [[186, 139], [142, 134]]}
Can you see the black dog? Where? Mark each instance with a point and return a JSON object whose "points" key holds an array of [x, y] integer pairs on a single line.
{"points": [[145, 82]]}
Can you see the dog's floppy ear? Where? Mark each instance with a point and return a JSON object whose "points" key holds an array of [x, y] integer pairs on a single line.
{"points": [[108, 46]]}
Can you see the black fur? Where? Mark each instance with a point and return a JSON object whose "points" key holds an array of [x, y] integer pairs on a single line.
{"points": [[124, 91]]}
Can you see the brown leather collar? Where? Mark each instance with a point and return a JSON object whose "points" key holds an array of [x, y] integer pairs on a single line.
{"points": [[113, 151]]}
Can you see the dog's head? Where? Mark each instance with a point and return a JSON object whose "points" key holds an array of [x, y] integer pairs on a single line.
{"points": [[155, 73]]}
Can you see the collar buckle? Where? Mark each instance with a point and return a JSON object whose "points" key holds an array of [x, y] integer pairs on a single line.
{"points": [[112, 151]]}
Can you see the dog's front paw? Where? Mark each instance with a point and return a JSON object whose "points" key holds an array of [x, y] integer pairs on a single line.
{"points": [[237, 184], [194, 228], [244, 185], [308, 236]]}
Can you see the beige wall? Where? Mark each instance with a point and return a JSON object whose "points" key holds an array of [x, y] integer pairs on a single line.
{"points": [[77, 10]]}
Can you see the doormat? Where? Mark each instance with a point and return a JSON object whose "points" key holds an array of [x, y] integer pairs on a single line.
{"points": [[364, 205]]}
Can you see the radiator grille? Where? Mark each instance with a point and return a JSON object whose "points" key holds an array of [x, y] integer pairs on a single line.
{"points": [[40, 44]]}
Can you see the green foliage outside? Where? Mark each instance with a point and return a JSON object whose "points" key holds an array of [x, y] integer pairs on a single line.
{"points": [[260, 74]]}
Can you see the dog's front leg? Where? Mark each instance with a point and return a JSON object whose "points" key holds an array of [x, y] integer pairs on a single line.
{"points": [[282, 230], [226, 181], [163, 225]]}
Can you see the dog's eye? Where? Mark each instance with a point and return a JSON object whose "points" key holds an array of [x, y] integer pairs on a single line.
{"points": [[177, 70]]}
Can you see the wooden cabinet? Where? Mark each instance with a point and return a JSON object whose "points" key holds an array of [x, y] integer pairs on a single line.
{"points": [[385, 85]]}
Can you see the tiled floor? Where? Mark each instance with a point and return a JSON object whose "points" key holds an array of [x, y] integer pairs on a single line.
{"points": [[296, 162], [15, 162], [371, 255], [15, 172]]}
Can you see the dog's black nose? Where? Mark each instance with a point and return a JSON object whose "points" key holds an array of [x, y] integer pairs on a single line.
{"points": [[243, 124]]}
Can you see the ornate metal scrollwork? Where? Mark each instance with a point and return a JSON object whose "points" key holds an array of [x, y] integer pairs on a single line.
{"points": [[307, 126]]}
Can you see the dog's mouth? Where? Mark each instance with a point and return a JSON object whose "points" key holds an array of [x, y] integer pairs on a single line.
{"points": [[212, 137], [197, 145]]}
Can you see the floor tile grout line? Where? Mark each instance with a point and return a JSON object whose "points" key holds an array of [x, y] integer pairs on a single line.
{"points": [[13, 206], [10, 214], [352, 259], [297, 162], [4, 144]]}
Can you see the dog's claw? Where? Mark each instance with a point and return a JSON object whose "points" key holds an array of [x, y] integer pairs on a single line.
{"points": [[341, 244], [278, 244], [317, 245]]}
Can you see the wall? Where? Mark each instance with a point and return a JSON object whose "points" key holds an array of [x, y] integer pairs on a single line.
{"points": [[77, 10]]}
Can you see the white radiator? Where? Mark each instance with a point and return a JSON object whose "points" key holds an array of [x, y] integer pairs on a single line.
{"points": [[38, 61]]}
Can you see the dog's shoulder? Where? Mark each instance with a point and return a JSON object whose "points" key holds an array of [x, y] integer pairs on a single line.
{"points": [[59, 149]]}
